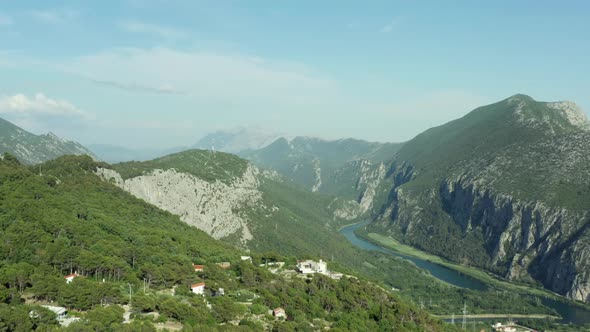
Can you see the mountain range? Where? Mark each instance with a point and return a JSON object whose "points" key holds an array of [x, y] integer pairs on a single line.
{"points": [[32, 149], [505, 188]]}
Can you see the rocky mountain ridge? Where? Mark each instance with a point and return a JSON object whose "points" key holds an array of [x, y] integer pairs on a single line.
{"points": [[505, 188], [33, 149], [347, 168]]}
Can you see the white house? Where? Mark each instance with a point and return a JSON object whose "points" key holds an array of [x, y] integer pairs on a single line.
{"points": [[503, 328], [198, 288], [309, 266], [60, 312], [70, 277], [246, 258]]}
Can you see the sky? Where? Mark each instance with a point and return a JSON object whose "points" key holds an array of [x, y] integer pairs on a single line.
{"points": [[141, 74]]}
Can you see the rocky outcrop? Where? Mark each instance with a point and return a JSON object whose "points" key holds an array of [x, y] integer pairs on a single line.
{"points": [[520, 240], [346, 210], [526, 239], [213, 207], [368, 183]]}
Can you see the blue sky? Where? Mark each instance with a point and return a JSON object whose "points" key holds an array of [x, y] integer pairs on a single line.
{"points": [[160, 73]]}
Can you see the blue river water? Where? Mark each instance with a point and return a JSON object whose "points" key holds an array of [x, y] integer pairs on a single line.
{"points": [[569, 313], [438, 271]]}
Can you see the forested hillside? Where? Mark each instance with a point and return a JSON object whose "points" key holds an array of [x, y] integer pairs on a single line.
{"points": [[131, 258]]}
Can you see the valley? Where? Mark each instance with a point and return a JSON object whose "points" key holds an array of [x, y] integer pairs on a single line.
{"points": [[300, 166], [365, 208]]}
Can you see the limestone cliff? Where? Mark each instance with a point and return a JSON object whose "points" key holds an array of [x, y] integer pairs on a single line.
{"points": [[213, 207]]}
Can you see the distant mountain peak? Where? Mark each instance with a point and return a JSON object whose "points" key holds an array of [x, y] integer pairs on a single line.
{"points": [[237, 139]]}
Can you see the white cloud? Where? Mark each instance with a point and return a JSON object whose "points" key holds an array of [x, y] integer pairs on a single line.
{"points": [[38, 104], [152, 29], [53, 16], [208, 76], [5, 20], [40, 114]]}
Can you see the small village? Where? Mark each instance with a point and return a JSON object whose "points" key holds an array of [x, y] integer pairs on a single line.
{"points": [[304, 269]]}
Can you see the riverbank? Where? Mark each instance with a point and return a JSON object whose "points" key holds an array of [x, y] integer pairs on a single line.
{"points": [[499, 316], [476, 273]]}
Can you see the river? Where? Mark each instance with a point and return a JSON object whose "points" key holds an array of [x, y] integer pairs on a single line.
{"points": [[569, 313]]}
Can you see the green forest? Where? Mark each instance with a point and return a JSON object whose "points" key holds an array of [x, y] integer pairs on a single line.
{"points": [[135, 260]]}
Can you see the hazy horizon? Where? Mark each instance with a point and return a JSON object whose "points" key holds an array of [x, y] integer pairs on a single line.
{"points": [[141, 74]]}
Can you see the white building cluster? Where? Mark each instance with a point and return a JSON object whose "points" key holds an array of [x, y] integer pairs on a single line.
{"points": [[311, 266]]}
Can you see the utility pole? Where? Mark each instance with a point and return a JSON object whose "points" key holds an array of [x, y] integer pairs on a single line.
{"points": [[464, 323], [453, 319], [129, 293]]}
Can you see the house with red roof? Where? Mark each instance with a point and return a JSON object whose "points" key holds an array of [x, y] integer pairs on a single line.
{"points": [[198, 268], [70, 277], [198, 288]]}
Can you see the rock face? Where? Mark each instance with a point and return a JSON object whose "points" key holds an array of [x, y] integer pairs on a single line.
{"points": [[33, 149], [234, 201], [506, 188], [370, 178], [210, 206], [525, 239]]}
